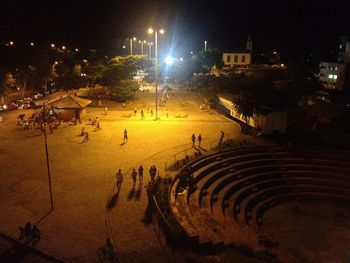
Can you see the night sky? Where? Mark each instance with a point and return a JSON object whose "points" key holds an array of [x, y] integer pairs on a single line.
{"points": [[290, 26]]}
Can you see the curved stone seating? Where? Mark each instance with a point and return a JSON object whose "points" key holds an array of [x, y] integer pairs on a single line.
{"points": [[234, 188], [272, 201]]}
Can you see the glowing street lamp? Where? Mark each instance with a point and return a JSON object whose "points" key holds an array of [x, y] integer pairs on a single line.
{"points": [[32, 44], [151, 31], [132, 39], [52, 45], [169, 60], [142, 42], [205, 45]]}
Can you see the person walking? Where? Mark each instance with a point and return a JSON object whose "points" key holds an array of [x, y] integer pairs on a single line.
{"points": [[193, 138], [199, 140], [119, 177], [35, 233], [140, 173], [221, 138], [133, 177], [142, 115], [125, 135], [106, 110]]}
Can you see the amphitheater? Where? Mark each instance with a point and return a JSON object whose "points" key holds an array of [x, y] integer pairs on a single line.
{"points": [[245, 198]]}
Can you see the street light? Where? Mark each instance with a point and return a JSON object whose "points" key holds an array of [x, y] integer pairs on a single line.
{"points": [[142, 42], [150, 44], [205, 45], [132, 39], [150, 31]]}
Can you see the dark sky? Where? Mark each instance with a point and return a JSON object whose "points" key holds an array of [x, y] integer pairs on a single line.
{"points": [[293, 26]]}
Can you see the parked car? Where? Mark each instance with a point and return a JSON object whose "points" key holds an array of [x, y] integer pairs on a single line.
{"points": [[9, 106]]}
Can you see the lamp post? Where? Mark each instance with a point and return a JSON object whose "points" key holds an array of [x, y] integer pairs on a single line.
{"points": [[150, 44], [150, 31], [205, 45], [131, 39], [47, 159], [142, 42]]}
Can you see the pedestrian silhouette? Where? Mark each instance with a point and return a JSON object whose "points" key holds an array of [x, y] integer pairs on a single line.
{"points": [[142, 115], [140, 173], [133, 177], [199, 140], [119, 177], [193, 138], [221, 138], [125, 135], [35, 234], [25, 231]]}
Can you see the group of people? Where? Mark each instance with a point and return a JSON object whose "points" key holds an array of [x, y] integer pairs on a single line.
{"points": [[95, 122], [134, 174], [193, 139], [30, 234], [142, 113]]}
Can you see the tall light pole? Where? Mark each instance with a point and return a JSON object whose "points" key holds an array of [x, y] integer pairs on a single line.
{"points": [[47, 159], [205, 45], [150, 44], [150, 31], [131, 39], [142, 42]]}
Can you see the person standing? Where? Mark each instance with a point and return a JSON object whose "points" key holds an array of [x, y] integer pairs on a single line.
{"points": [[221, 138], [193, 138], [125, 135], [167, 114], [106, 110], [151, 113], [140, 173], [199, 140], [133, 177], [142, 115], [119, 177]]}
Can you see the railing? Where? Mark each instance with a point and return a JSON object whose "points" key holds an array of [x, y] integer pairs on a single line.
{"points": [[227, 136], [173, 159]]}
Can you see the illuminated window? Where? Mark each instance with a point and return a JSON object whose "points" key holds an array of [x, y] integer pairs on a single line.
{"points": [[335, 76], [236, 59], [330, 76]]}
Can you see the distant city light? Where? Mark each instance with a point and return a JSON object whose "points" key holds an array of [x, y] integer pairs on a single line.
{"points": [[77, 49], [63, 47], [124, 46], [12, 43], [32, 44], [162, 31], [134, 38], [150, 30], [169, 60], [53, 45]]}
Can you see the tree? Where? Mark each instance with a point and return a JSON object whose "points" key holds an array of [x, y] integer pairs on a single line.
{"points": [[245, 104], [124, 90]]}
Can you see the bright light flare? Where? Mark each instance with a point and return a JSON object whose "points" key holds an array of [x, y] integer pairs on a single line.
{"points": [[169, 60], [150, 30]]}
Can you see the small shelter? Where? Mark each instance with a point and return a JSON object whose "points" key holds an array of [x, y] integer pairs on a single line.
{"points": [[69, 106]]}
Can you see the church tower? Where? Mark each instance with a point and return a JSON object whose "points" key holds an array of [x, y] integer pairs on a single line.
{"points": [[249, 45]]}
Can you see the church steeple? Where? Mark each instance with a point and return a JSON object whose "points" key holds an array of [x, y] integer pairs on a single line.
{"points": [[249, 45]]}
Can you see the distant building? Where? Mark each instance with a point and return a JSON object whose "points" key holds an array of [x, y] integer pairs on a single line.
{"points": [[334, 75], [69, 106], [238, 58], [267, 120]]}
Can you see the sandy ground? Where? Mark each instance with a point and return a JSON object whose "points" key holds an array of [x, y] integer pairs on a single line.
{"points": [[83, 175]]}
